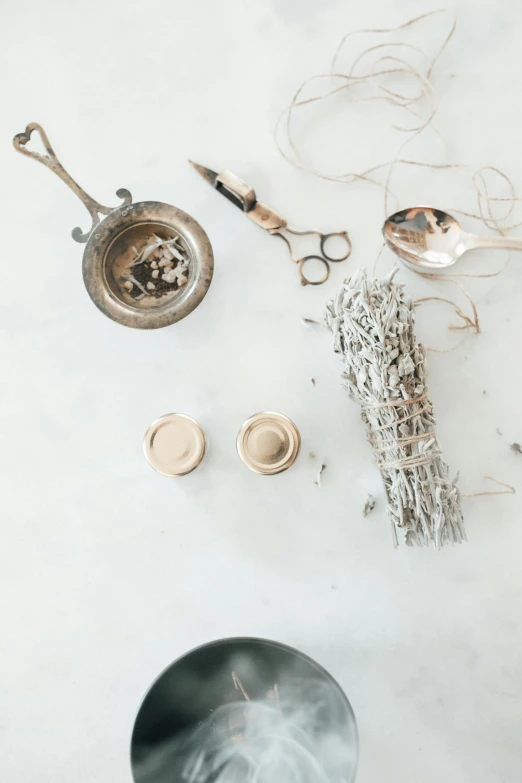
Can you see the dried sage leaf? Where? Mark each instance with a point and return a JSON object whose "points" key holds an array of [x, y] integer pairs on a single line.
{"points": [[369, 505], [373, 327]]}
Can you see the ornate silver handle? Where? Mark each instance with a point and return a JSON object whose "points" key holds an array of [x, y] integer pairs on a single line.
{"points": [[51, 161]]}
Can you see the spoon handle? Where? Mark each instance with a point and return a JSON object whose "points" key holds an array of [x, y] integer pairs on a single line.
{"points": [[497, 242]]}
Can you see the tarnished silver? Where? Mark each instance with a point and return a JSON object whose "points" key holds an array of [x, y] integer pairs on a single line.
{"points": [[114, 231], [432, 240], [244, 196]]}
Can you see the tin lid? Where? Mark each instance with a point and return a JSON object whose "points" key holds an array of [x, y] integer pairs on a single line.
{"points": [[268, 443], [174, 444]]}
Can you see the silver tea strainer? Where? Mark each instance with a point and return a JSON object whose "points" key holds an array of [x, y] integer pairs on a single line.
{"points": [[146, 264]]}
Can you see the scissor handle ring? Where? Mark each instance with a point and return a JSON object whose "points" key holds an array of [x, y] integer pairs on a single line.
{"points": [[304, 279], [344, 235]]}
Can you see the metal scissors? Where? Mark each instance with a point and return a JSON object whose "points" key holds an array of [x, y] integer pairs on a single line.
{"points": [[244, 196]]}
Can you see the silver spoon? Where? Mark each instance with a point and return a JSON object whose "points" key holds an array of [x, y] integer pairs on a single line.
{"points": [[430, 239]]}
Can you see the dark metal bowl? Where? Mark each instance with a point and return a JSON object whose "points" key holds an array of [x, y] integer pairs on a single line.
{"points": [[198, 683]]}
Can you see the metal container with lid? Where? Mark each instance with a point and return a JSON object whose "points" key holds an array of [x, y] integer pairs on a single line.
{"points": [[175, 445], [268, 443]]}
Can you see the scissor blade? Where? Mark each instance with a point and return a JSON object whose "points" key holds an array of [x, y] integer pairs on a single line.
{"points": [[207, 174], [227, 184]]}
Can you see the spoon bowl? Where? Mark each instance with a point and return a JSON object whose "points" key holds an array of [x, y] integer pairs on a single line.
{"points": [[432, 240]]}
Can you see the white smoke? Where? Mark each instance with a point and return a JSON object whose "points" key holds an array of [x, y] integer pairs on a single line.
{"points": [[295, 735], [242, 727]]}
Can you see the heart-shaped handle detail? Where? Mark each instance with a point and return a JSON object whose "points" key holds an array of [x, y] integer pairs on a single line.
{"points": [[51, 161], [22, 139]]}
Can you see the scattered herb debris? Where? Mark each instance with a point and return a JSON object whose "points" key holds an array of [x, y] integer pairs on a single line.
{"points": [[310, 322], [313, 381], [369, 505], [160, 268], [516, 448], [319, 475]]}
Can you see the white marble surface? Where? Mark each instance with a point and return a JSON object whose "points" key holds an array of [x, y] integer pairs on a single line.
{"points": [[109, 571]]}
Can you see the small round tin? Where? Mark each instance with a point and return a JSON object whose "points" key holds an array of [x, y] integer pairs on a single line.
{"points": [[174, 445], [268, 443]]}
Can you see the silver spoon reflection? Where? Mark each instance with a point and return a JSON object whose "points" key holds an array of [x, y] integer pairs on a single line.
{"points": [[430, 239]]}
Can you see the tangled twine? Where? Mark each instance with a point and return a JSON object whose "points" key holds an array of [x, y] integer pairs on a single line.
{"points": [[400, 75]]}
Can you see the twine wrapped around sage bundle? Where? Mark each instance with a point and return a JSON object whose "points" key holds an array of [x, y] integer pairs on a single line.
{"points": [[372, 322]]}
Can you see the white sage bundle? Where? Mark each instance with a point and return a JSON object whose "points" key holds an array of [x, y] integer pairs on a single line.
{"points": [[384, 370]]}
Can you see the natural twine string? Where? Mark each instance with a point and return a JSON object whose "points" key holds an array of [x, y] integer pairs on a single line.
{"points": [[372, 323], [376, 66], [371, 71], [509, 490], [380, 446]]}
